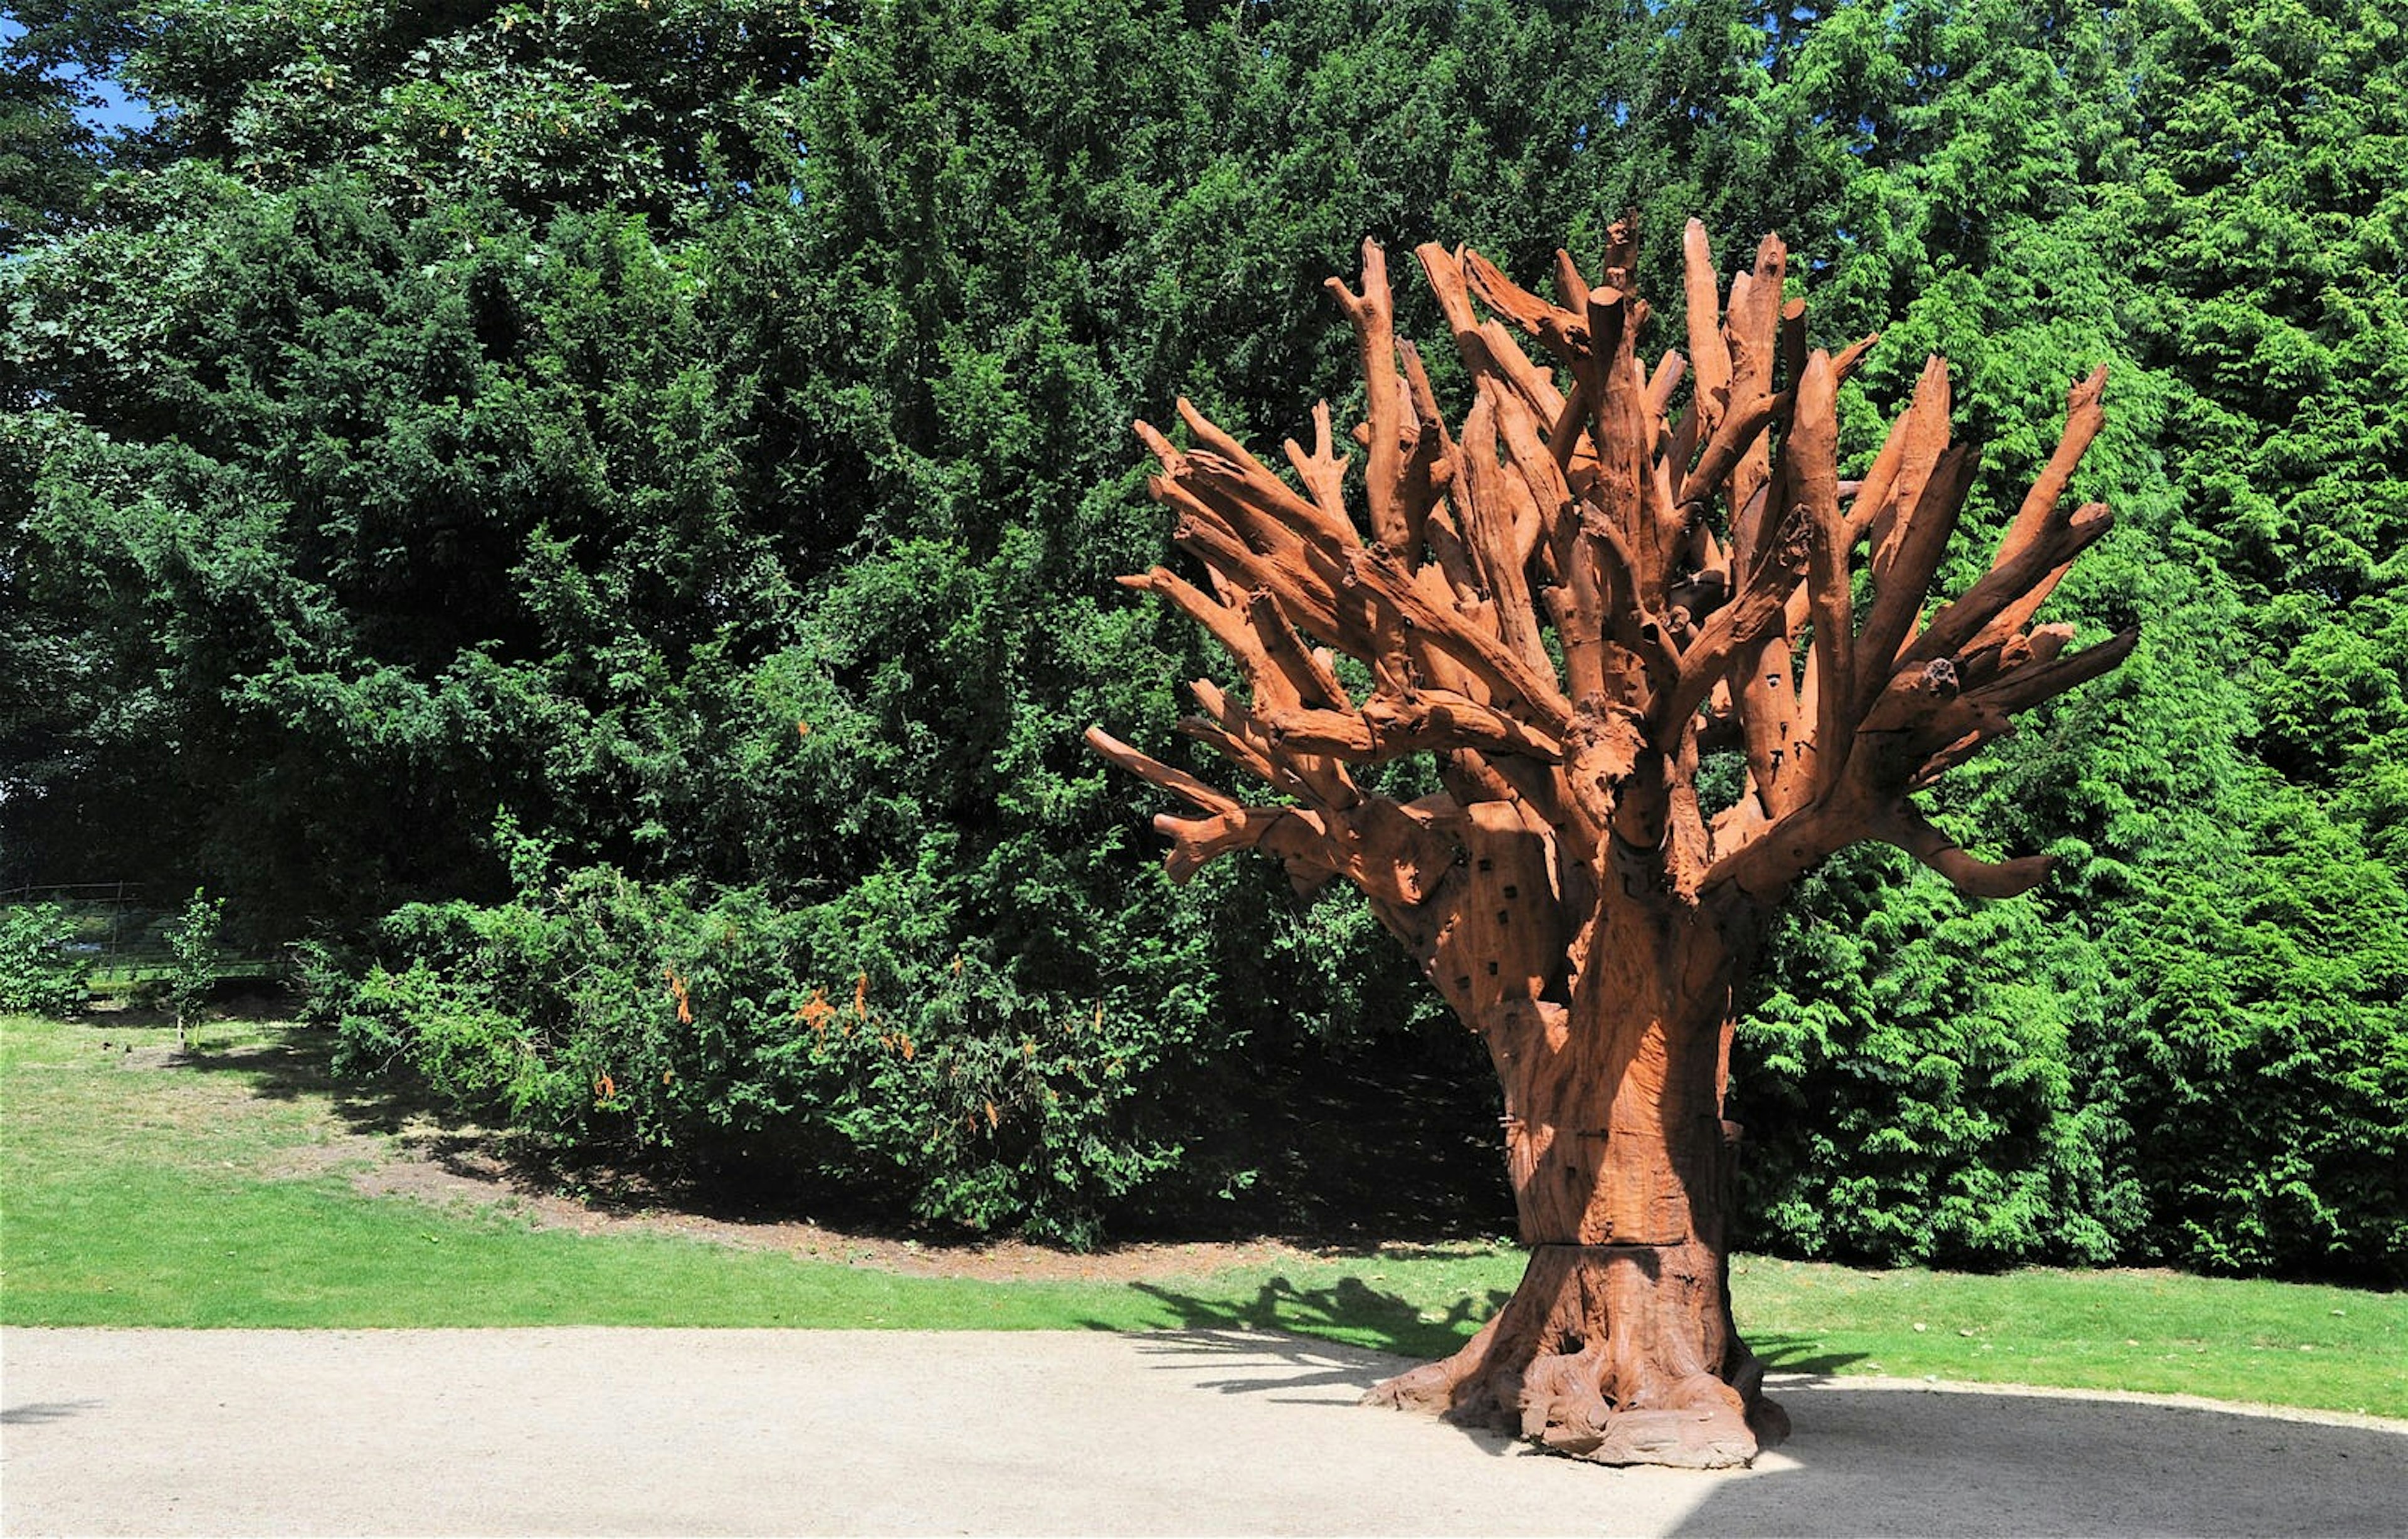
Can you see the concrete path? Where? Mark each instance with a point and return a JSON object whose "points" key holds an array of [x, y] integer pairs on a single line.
{"points": [[595, 1431]]}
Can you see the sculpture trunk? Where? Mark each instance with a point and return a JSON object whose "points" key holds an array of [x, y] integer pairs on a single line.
{"points": [[1619, 1345]]}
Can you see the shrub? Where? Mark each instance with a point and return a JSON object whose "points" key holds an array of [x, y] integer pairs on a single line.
{"points": [[749, 1044], [38, 971], [193, 943], [1912, 1083]]}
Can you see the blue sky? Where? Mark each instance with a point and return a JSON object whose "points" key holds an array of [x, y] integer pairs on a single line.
{"points": [[115, 110]]}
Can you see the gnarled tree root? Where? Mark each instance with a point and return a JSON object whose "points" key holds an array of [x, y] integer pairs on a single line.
{"points": [[1620, 1353]]}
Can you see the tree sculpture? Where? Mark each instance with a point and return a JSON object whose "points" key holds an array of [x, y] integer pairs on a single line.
{"points": [[1573, 602]]}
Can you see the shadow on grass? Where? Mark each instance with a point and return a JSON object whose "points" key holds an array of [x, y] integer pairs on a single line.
{"points": [[1795, 1354], [1348, 1311], [294, 1062], [297, 1062], [284, 1061], [1352, 1311]]}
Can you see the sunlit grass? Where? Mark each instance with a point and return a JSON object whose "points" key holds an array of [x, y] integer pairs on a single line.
{"points": [[153, 1196], [2285, 1344]]}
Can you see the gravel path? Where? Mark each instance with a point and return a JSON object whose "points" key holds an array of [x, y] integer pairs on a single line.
{"points": [[589, 1431]]}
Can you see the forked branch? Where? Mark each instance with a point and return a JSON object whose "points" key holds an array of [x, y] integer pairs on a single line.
{"points": [[1603, 565]]}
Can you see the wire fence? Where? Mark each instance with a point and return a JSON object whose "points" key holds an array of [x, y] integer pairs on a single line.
{"points": [[122, 930]]}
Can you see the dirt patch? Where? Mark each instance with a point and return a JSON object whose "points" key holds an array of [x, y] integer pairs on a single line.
{"points": [[452, 1171]]}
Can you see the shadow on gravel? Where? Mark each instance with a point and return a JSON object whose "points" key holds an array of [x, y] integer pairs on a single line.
{"points": [[34, 1413], [1281, 1368], [1907, 1461], [1902, 1462]]}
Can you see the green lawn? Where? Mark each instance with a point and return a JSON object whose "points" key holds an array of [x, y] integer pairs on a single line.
{"points": [[215, 1194]]}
